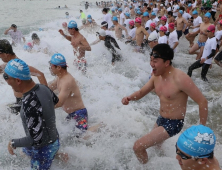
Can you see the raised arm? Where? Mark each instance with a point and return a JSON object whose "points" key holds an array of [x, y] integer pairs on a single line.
{"points": [[66, 36], [40, 75]]}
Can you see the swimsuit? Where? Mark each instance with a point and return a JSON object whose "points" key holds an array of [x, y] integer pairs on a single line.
{"points": [[81, 118], [201, 44], [172, 126], [179, 34]]}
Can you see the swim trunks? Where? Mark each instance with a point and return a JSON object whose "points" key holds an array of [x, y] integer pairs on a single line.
{"points": [[179, 34], [201, 44], [172, 126], [41, 158], [186, 31], [81, 118]]}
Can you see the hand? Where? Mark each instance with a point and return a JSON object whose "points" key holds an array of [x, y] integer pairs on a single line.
{"points": [[61, 32], [125, 100], [10, 149], [202, 60]]}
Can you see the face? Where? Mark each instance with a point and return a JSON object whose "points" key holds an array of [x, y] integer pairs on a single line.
{"points": [[137, 24], [162, 22], [114, 23], [71, 30], [152, 43], [210, 34], [152, 29], [218, 26], [4, 57], [14, 29], [53, 69], [14, 83], [206, 19]]}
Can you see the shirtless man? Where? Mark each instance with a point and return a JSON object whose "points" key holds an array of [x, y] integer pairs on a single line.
{"points": [[162, 10], [78, 41], [202, 37], [140, 32], [181, 24], [132, 12], [173, 87], [118, 29], [7, 54]]}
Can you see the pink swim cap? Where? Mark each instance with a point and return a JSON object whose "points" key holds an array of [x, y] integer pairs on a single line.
{"points": [[220, 22], [171, 25], [153, 25], [163, 28], [131, 23], [138, 20], [64, 24], [163, 18], [29, 44]]}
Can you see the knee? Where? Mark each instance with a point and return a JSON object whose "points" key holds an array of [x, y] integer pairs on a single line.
{"points": [[190, 52], [138, 146]]}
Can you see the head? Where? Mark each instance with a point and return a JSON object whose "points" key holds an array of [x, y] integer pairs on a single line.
{"points": [[35, 38], [120, 10], [189, 6], [207, 17], [160, 59], [127, 15], [138, 22], [115, 20], [163, 20], [195, 14], [104, 11], [80, 11], [72, 27], [149, 9], [189, 154], [14, 27], [180, 13], [145, 16], [153, 15], [163, 30], [219, 25], [17, 75], [57, 64], [6, 51], [104, 25], [152, 26], [152, 40], [210, 31], [171, 27], [89, 17], [170, 14], [101, 34], [131, 24]]}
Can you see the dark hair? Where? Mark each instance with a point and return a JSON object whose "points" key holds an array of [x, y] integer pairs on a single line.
{"points": [[77, 29], [14, 26], [164, 51], [145, 4], [148, 8], [5, 47], [182, 8], [81, 10], [104, 24], [170, 13], [105, 10], [64, 67], [35, 36]]}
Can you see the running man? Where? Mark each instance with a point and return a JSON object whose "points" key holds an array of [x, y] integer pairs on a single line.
{"points": [[118, 29], [15, 34], [173, 87], [41, 142], [189, 154], [181, 24]]}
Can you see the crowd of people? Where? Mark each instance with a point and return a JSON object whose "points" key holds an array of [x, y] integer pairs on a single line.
{"points": [[151, 25]]}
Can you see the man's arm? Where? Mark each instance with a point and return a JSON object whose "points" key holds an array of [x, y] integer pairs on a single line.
{"points": [[95, 42], [6, 31], [123, 28], [40, 75], [63, 94], [148, 87], [66, 36], [186, 85], [53, 84], [146, 33]]}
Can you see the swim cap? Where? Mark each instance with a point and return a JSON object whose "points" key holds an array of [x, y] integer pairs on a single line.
{"points": [[89, 17], [152, 37], [64, 24], [138, 20], [131, 23], [116, 8], [195, 12], [120, 9], [153, 14], [171, 25], [17, 68], [89, 20], [29, 44], [113, 10], [220, 22], [130, 7], [153, 25], [5, 47], [163, 18], [35, 36], [139, 12], [211, 28], [208, 15], [161, 4], [14, 26], [145, 14], [197, 141], [101, 33], [163, 28], [26, 48], [181, 12], [115, 18], [127, 14], [58, 60], [189, 5], [151, 3], [178, 7], [72, 24]]}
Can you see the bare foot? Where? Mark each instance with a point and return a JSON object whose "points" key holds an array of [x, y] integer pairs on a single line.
{"points": [[64, 157]]}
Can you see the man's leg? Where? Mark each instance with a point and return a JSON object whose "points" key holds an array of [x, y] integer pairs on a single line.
{"points": [[193, 49], [204, 71], [156, 136], [200, 53], [195, 65]]}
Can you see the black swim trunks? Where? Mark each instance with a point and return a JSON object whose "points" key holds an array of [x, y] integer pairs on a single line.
{"points": [[172, 126]]}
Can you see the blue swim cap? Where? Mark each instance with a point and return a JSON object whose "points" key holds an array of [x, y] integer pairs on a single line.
{"points": [[130, 7], [145, 14], [195, 12], [89, 16], [139, 12], [17, 68], [26, 48], [58, 60], [72, 24], [89, 20], [120, 9], [153, 13], [197, 141], [208, 15], [181, 12], [115, 18], [151, 3], [113, 10], [116, 8], [189, 5], [178, 7], [127, 14]]}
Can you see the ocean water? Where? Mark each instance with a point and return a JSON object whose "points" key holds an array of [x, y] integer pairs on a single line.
{"points": [[102, 89]]}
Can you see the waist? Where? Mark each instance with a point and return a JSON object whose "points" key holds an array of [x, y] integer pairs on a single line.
{"points": [[161, 117]]}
